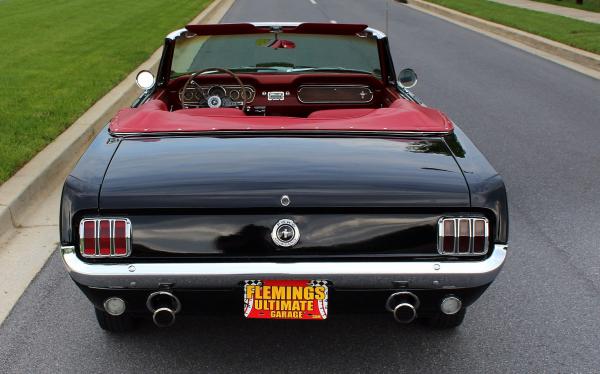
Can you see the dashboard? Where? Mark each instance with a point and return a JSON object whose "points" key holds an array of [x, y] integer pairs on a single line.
{"points": [[281, 94]]}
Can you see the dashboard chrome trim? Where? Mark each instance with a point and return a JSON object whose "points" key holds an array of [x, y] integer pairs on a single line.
{"points": [[228, 88]]}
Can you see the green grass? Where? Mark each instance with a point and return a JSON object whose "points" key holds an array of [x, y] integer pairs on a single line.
{"points": [[589, 5], [60, 56], [565, 30]]}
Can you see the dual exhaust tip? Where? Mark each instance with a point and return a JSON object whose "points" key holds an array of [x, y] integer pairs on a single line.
{"points": [[404, 305], [164, 306]]}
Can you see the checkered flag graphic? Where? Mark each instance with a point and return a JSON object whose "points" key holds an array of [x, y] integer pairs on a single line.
{"points": [[322, 304], [249, 303], [319, 282]]}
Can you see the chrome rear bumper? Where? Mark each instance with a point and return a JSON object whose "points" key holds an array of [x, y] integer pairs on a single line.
{"points": [[343, 275]]}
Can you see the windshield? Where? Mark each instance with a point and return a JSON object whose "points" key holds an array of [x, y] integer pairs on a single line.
{"points": [[277, 53]]}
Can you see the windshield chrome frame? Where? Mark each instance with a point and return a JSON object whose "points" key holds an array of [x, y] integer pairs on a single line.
{"points": [[370, 31], [163, 76]]}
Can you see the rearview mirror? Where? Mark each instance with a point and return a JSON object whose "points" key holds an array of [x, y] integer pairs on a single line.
{"points": [[145, 79], [276, 43], [407, 78]]}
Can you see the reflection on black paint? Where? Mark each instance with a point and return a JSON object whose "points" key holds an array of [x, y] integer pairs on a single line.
{"points": [[455, 145], [251, 239], [426, 146], [242, 235], [206, 172]]}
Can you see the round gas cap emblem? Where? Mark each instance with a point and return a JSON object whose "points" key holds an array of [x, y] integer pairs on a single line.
{"points": [[285, 233]]}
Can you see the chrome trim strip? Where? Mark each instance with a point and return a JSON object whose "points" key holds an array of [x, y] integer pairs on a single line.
{"points": [[374, 32], [176, 34], [355, 275]]}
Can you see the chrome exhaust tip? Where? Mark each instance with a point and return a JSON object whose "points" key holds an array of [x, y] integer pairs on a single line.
{"points": [[403, 305], [405, 313], [163, 305], [163, 317]]}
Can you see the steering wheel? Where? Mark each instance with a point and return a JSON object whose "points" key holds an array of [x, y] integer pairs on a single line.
{"points": [[187, 104]]}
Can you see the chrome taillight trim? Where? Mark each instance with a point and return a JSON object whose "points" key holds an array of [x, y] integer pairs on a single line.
{"points": [[96, 222], [455, 251]]}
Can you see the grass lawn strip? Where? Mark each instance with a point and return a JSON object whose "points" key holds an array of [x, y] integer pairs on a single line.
{"points": [[578, 34], [589, 5], [61, 56]]}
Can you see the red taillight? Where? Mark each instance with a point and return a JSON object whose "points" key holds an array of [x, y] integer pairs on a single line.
{"points": [[480, 236], [448, 238], [105, 237], [120, 238], [89, 238], [463, 236]]}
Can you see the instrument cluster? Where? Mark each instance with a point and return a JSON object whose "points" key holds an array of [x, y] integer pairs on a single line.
{"points": [[215, 96]]}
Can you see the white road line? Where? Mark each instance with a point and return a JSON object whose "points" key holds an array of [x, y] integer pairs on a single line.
{"points": [[313, 2]]}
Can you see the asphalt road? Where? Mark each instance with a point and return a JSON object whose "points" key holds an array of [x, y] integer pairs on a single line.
{"points": [[538, 123]]}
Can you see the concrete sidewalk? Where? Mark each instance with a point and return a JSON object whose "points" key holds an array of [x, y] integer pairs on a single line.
{"points": [[581, 15]]}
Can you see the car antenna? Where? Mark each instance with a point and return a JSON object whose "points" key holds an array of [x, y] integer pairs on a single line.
{"points": [[387, 15]]}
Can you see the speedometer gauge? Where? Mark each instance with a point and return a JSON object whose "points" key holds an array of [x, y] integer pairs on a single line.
{"points": [[217, 91]]}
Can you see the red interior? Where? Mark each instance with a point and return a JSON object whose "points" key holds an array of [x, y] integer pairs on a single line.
{"points": [[386, 112]]}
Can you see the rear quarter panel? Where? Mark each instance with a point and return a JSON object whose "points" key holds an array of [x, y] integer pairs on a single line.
{"points": [[81, 189], [486, 186]]}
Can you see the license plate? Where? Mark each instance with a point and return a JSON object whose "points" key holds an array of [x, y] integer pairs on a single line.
{"points": [[286, 299]]}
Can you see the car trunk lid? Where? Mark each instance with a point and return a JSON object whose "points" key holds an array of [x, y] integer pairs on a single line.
{"points": [[255, 172]]}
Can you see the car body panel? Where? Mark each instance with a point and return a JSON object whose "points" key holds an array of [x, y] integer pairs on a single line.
{"points": [[254, 172], [235, 235]]}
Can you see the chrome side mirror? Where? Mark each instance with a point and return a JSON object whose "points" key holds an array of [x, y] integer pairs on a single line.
{"points": [[145, 79], [407, 78]]}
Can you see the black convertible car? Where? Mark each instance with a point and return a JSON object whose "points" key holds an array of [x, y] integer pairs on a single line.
{"points": [[281, 171]]}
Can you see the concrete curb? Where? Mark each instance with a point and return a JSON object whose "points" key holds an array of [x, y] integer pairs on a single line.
{"points": [[589, 63], [19, 194]]}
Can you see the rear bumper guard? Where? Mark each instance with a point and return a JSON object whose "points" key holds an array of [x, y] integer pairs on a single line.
{"points": [[344, 275]]}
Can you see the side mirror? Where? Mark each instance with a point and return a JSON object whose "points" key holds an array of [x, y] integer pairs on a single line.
{"points": [[407, 78], [145, 79]]}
